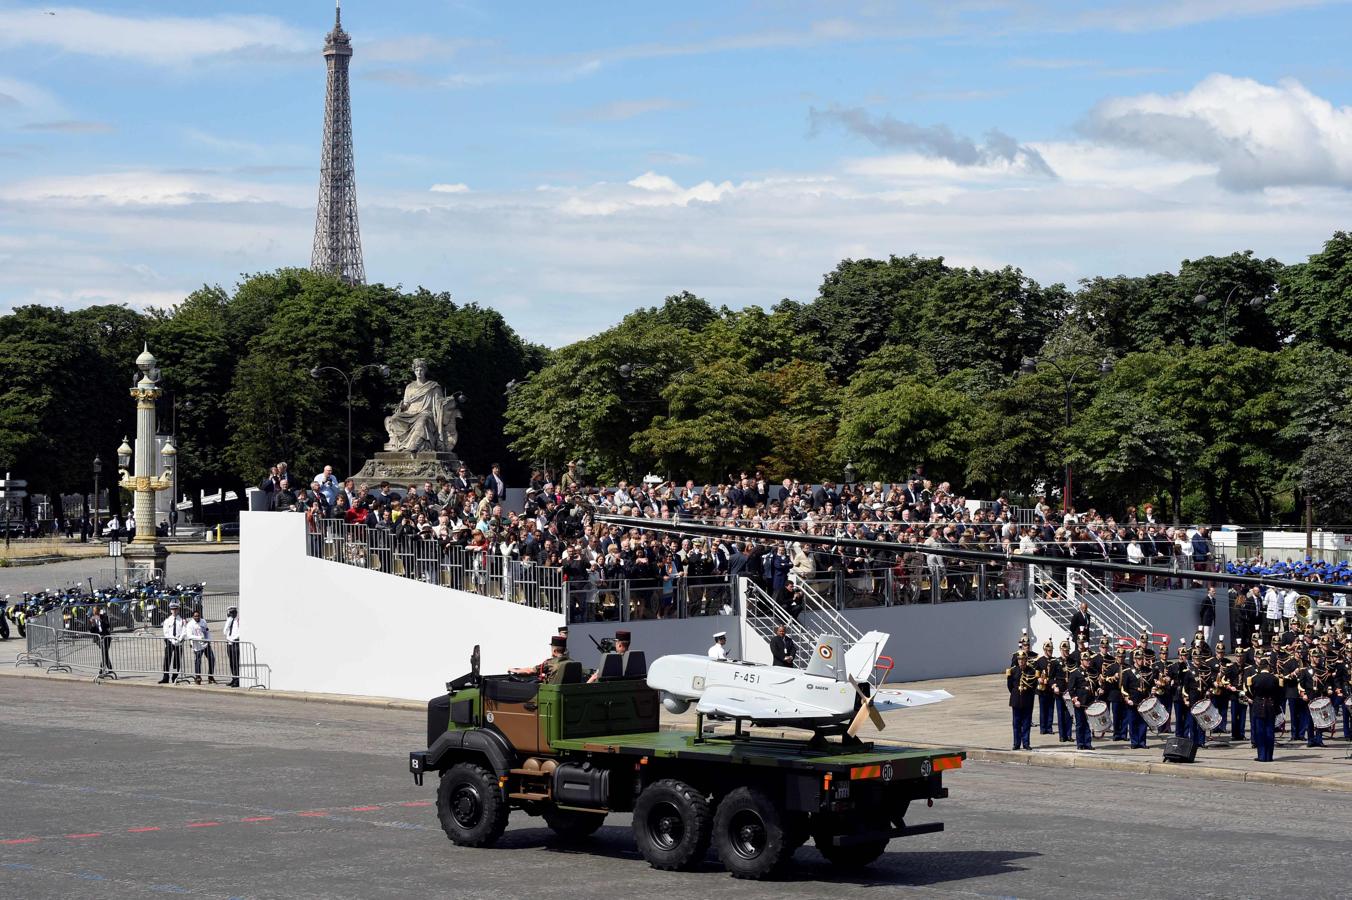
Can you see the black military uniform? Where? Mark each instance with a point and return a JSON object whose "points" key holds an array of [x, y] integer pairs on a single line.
{"points": [[1289, 670], [1135, 687], [1045, 666], [1265, 690], [1080, 687], [1021, 679], [1311, 683], [102, 631]]}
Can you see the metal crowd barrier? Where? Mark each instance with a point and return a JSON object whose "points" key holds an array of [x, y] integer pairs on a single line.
{"points": [[137, 656]]}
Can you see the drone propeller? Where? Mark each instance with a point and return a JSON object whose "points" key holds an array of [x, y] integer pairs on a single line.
{"points": [[866, 711]]}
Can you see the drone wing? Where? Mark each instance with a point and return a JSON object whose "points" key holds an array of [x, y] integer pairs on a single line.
{"points": [[896, 699], [740, 703]]}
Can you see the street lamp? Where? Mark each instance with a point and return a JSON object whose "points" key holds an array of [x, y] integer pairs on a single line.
{"points": [[98, 468], [169, 454], [1030, 364], [1201, 301], [850, 474], [384, 373]]}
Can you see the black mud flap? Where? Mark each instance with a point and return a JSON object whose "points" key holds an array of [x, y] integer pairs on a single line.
{"points": [[864, 837], [417, 764]]}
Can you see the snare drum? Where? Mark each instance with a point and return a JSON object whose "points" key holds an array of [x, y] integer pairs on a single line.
{"points": [[1206, 715], [1155, 713], [1280, 724], [1100, 722], [1321, 712]]}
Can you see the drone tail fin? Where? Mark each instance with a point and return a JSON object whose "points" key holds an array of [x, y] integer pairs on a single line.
{"points": [[827, 660]]}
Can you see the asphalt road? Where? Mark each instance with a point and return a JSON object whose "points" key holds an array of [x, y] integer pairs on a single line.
{"points": [[118, 792], [219, 570]]}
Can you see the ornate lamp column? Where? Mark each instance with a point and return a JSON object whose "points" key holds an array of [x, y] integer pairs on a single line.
{"points": [[145, 552]]}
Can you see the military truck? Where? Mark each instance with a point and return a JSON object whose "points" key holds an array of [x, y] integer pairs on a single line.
{"points": [[572, 752]]}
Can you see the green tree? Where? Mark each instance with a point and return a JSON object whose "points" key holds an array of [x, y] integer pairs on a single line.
{"points": [[1315, 300]]}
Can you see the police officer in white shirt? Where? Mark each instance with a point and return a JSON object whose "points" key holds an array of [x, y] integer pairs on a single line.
{"points": [[718, 650], [200, 635], [175, 630], [232, 644]]}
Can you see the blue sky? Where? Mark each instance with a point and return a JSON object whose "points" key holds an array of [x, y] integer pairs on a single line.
{"points": [[568, 162]]}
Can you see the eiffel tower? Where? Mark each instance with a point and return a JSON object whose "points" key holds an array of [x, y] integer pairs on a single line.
{"points": [[337, 248]]}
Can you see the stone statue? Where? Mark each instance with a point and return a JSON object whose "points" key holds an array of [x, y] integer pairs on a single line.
{"points": [[425, 420]]}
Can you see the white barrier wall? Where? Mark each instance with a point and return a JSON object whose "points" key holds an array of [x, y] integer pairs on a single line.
{"points": [[327, 627]]}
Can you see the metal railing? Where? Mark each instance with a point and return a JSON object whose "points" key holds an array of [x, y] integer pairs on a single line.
{"points": [[825, 615], [1058, 595], [140, 656], [764, 616], [430, 561]]}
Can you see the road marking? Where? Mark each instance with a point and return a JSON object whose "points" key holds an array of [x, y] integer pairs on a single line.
{"points": [[92, 834], [314, 812], [362, 808], [21, 841], [143, 829], [255, 819], [201, 824], [417, 803]]}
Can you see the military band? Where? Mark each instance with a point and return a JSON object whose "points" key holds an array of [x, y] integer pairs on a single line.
{"points": [[1301, 682]]}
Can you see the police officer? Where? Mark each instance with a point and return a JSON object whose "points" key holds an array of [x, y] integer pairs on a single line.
{"points": [[551, 669], [232, 644], [1265, 689], [175, 630]]}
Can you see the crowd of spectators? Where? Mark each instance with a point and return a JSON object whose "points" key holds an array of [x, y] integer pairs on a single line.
{"points": [[556, 526]]}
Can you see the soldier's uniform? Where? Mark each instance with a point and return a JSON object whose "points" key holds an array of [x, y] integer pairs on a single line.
{"points": [[1080, 688], [551, 670], [1021, 679], [1064, 717], [1045, 666], [1135, 686], [1266, 692], [1289, 671]]}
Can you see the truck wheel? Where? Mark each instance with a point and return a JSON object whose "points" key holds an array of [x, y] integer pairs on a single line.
{"points": [[672, 825], [856, 856], [570, 824], [749, 834], [470, 806]]}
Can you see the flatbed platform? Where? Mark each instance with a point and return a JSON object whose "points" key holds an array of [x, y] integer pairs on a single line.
{"points": [[906, 762]]}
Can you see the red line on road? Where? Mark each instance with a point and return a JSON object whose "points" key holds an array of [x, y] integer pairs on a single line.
{"points": [[21, 841], [89, 835], [253, 819], [362, 808], [417, 803], [143, 829], [201, 824], [314, 812]]}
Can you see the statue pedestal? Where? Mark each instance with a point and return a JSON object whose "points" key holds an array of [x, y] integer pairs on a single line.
{"points": [[400, 468], [145, 560]]}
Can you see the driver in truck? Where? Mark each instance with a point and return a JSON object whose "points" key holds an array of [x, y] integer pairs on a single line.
{"points": [[549, 670]]}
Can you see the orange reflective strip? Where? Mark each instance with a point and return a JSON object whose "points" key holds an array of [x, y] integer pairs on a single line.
{"points": [[947, 762], [866, 772]]}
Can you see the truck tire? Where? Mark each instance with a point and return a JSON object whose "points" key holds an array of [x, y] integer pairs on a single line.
{"points": [[470, 806], [749, 834], [570, 824], [672, 825], [856, 856]]}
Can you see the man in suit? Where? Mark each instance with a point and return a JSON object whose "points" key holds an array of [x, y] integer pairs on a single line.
{"points": [[1080, 620], [783, 648], [461, 480]]}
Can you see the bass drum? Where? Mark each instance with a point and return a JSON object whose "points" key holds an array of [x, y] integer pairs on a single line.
{"points": [[1206, 715], [1100, 722], [1155, 713], [1321, 712]]}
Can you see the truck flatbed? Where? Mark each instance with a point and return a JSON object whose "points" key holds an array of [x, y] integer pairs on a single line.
{"points": [[906, 762]]}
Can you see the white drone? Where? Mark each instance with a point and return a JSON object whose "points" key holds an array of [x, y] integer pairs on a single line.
{"points": [[834, 694]]}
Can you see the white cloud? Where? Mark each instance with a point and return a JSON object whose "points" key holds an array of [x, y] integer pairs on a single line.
{"points": [[1181, 13], [457, 188], [160, 40], [1254, 135], [621, 110]]}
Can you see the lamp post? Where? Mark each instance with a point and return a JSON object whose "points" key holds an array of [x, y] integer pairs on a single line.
{"points": [[1201, 300], [169, 456], [145, 551], [850, 474], [1030, 365], [98, 468], [384, 372]]}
